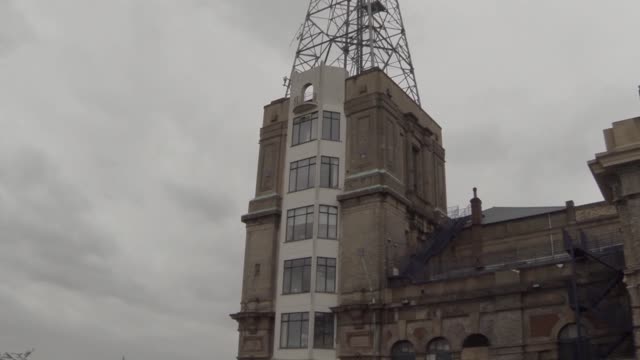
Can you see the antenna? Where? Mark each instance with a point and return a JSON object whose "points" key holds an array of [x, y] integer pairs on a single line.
{"points": [[357, 35]]}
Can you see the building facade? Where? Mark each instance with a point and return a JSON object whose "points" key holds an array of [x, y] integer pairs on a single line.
{"points": [[351, 252]]}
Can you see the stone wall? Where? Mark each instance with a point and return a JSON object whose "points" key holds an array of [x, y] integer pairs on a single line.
{"points": [[520, 308], [256, 318]]}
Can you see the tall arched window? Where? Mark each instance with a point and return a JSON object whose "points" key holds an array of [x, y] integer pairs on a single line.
{"points": [[403, 350], [574, 345], [307, 93], [439, 349]]}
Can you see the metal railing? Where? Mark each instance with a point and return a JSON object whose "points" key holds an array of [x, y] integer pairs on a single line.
{"points": [[456, 212], [548, 252]]}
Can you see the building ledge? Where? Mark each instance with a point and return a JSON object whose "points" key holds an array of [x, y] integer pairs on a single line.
{"points": [[252, 315], [372, 190], [261, 214]]}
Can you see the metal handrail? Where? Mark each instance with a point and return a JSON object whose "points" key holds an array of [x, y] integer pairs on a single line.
{"points": [[519, 257]]}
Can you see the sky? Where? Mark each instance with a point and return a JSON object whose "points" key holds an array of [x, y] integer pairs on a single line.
{"points": [[128, 146]]}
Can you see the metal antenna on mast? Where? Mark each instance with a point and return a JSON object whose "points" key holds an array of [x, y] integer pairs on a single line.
{"points": [[357, 35]]}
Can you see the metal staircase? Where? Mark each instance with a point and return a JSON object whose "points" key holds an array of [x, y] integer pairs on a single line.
{"points": [[588, 299], [439, 241]]}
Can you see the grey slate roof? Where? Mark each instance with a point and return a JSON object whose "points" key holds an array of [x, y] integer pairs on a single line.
{"points": [[500, 214]]}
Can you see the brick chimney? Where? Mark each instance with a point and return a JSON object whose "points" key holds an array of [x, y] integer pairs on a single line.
{"points": [[476, 208], [476, 229]]}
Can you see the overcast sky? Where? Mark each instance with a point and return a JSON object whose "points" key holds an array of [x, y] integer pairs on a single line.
{"points": [[128, 146]]}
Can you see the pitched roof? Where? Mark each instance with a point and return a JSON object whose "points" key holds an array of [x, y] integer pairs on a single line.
{"points": [[500, 214]]}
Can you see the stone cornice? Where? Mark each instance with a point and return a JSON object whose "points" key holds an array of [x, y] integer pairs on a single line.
{"points": [[373, 190], [251, 217]]}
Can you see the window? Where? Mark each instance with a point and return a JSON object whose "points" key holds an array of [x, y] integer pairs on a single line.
{"points": [[475, 341], [403, 350], [328, 228], [329, 172], [574, 346], [302, 175], [331, 126], [297, 276], [326, 275], [439, 349], [323, 331], [308, 93], [300, 224], [294, 331], [476, 346], [304, 129], [415, 154]]}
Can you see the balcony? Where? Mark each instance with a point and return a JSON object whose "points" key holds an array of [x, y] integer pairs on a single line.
{"points": [[301, 105]]}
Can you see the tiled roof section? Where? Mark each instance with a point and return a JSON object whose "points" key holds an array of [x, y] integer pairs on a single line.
{"points": [[500, 214]]}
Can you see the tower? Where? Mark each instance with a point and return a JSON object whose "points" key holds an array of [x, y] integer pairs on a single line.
{"points": [[350, 179], [617, 172]]}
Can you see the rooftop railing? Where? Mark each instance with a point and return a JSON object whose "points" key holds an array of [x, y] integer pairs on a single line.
{"points": [[550, 251]]}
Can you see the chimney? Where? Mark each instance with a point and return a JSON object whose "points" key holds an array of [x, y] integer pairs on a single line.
{"points": [[476, 208], [476, 229], [571, 211]]}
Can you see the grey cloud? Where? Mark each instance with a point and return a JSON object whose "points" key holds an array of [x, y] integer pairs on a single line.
{"points": [[204, 203], [14, 29], [120, 236], [46, 227]]}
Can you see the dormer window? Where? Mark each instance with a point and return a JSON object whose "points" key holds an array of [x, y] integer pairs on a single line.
{"points": [[307, 93]]}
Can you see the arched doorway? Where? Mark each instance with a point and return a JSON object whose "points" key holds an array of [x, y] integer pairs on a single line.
{"points": [[403, 350], [475, 347], [439, 349]]}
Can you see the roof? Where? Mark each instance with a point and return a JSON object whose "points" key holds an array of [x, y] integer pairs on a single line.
{"points": [[500, 214]]}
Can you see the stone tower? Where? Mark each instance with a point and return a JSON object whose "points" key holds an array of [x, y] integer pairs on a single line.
{"points": [[617, 172]]}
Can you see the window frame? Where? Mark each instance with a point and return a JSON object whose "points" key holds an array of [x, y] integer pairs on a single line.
{"points": [[330, 266], [327, 331], [296, 168], [435, 352], [331, 122], [297, 126], [570, 339], [399, 352], [308, 93], [323, 229], [292, 215], [289, 274], [303, 330], [333, 165]]}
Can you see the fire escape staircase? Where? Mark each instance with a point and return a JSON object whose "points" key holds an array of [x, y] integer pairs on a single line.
{"points": [[588, 300], [439, 241]]}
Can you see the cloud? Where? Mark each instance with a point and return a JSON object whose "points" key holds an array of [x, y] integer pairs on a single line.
{"points": [[129, 144], [14, 29]]}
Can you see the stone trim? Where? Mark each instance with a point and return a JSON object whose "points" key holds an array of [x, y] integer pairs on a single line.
{"points": [[261, 214], [373, 190]]}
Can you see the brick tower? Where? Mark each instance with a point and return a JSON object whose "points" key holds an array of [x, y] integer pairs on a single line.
{"points": [[351, 177]]}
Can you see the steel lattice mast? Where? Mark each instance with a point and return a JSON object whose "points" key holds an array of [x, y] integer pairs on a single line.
{"points": [[357, 35]]}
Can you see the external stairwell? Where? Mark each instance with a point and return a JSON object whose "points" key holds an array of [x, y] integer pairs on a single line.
{"points": [[439, 241]]}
